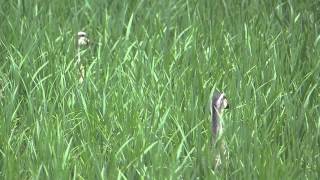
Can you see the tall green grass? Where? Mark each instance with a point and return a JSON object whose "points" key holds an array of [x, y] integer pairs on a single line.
{"points": [[142, 111]]}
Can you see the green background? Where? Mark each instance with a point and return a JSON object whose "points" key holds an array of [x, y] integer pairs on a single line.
{"points": [[142, 111]]}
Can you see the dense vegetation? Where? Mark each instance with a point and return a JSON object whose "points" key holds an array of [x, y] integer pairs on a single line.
{"points": [[142, 110]]}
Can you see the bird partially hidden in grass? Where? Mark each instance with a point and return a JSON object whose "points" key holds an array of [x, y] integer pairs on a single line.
{"points": [[218, 104], [82, 45]]}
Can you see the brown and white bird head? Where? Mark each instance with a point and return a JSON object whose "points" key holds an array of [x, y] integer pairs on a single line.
{"points": [[83, 39], [219, 103]]}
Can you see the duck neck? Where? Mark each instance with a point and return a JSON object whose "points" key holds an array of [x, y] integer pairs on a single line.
{"points": [[216, 126]]}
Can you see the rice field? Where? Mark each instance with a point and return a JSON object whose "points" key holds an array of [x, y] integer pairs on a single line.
{"points": [[142, 110]]}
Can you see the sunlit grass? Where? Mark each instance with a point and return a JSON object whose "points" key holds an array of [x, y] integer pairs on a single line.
{"points": [[142, 110]]}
